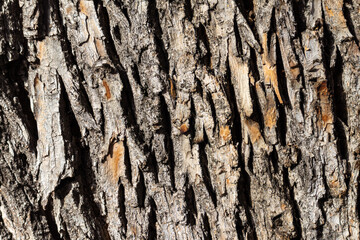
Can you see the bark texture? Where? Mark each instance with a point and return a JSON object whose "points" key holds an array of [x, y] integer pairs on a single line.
{"points": [[179, 119]]}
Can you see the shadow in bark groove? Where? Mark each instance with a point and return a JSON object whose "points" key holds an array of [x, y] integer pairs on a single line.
{"points": [[188, 10], [212, 107], [247, 10], [141, 190], [82, 168], [340, 113], [240, 229], [17, 73], [48, 212], [127, 162], [190, 201], [70, 58], [238, 38], [349, 21], [154, 22], [123, 9], [152, 233], [289, 193], [166, 122], [205, 170], [207, 229], [122, 208], [282, 83], [44, 18], [201, 35], [300, 20]]}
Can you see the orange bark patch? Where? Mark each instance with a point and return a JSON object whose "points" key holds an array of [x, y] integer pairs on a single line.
{"points": [[100, 48], [329, 11], [184, 128], [82, 7], [270, 73], [41, 49], [253, 130], [107, 89], [68, 9], [270, 117], [225, 133], [114, 159], [324, 95], [172, 89]]}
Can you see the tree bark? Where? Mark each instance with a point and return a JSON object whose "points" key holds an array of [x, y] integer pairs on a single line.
{"points": [[193, 119]]}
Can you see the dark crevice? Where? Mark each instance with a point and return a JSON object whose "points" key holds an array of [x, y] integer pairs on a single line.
{"points": [[102, 119], [340, 113], [122, 208], [328, 46], [123, 9], [188, 10], [205, 58], [244, 196], [191, 209], [212, 107], [207, 229], [237, 38], [231, 97], [254, 71], [281, 126], [17, 73], [152, 233], [104, 22], [44, 18], [166, 122], [48, 212], [302, 102], [340, 104], [141, 190], [205, 170], [300, 20], [257, 114], [247, 10], [68, 122], [192, 120], [152, 165], [70, 58], [82, 168], [136, 76], [240, 229], [349, 22], [87, 183], [277, 221], [63, 188], [289, 192], [251, 158], [154, 22], [274, 159], [127, 162], [117, 34]]}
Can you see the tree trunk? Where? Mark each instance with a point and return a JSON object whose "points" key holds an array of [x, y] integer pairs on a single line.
{"points": [[193, 119]]}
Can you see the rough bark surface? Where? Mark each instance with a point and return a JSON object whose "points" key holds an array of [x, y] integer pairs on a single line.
{"points": [[179, 119]]}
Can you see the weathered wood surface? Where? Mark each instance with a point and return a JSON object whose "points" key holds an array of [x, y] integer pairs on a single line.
{"points": [[191, 119]]}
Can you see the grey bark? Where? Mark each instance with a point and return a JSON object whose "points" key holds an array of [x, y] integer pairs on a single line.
{"points": [[194, 119]]}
